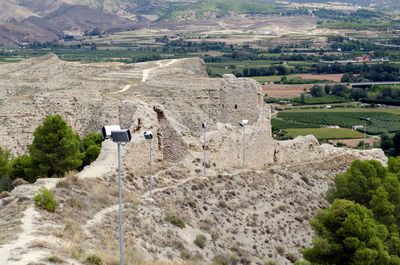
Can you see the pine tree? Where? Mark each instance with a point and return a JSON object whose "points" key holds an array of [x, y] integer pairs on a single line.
{"points": [[347, 234], [55, 148]]}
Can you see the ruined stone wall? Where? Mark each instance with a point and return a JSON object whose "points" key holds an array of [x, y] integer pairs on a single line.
{"points": [[240, 99], [169, 97]]}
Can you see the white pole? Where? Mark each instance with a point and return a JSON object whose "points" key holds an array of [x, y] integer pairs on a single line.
{"points": [[244, 133], [204, 152], [151, 179], [121, 240]]}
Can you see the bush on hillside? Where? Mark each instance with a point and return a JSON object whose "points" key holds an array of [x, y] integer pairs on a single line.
{"points": [[175, 220], [45, 199], [200, 241]]}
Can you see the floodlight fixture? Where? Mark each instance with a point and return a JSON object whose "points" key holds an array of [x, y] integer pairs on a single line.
{"points": [[243, 123], [106, 130], [204, 125], [118, 136], [121, 136], [148, 135]]}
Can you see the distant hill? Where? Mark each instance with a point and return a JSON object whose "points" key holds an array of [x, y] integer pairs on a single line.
{"points": [[47, 22]]}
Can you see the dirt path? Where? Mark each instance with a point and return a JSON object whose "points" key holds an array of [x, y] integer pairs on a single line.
{"points": [[125, 88], [18, 251], [161, 65], [98, 217]]}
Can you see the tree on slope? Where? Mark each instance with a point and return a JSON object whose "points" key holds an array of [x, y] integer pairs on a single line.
{"points": [[347, 234], [359, 182], [55, 148], [4, 162], [396, 143], [5, 182]]}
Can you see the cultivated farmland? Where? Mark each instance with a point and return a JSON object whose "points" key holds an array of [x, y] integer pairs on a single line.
{"points": [[325, 133], [380, 121]]}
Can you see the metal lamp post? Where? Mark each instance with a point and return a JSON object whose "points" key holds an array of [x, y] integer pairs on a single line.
{"points": [[118, 136], [148, 135], [243, 124], [204, 126], [365, 120]]}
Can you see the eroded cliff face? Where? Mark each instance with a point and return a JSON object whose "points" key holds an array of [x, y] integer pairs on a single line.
{"points": [[170, 97], [256, 212]]}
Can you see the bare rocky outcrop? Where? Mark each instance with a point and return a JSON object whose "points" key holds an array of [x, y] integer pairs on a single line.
{"points": [[252, 213]]}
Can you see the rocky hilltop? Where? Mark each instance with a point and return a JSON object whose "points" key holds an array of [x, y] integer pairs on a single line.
{"points": [[249, 215]]}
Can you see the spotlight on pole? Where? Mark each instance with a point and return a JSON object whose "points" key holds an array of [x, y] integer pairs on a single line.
{"points": [[118, 136], [148, 135], [204, 126], [243, 124]]}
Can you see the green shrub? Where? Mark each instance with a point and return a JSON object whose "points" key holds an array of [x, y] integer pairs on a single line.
{"points": [[292, 257], [185, 255], [270, 262], [192, 204], [220, 260], [90, 148], [222, 204], [6, 184], [45, 199], [76, 204], [175, 220], [55, 259], [200, 241], [20, 167], [93, 260], [237, 250], [280, 250], [214, 236]]}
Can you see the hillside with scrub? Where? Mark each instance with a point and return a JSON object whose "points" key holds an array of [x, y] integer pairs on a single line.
{"points": [[68, 212]]}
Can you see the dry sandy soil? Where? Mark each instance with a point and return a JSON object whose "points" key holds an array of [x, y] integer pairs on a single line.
{"points": [[285, 91], [331, 77], [354, 142]]}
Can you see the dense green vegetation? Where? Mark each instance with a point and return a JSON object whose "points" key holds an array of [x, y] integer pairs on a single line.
{"points": [[380, 121], [362, 225], [283, 124], [391, 145], [55, 150]]}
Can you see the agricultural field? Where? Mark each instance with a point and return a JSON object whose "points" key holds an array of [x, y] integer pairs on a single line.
{"points": [[306, 78], [381, 121], [325, 133], [283, 124], [323, 100]]}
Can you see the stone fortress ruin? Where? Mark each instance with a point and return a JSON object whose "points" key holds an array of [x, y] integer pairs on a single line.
{"points": [[258, 210], [170, 97]]}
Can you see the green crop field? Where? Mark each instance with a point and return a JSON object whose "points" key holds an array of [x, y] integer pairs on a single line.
{"points": [[282, 124], [325, 133], [323, 100], [273, 78], [381, 121]]}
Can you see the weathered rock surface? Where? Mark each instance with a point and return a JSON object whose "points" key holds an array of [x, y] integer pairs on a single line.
{"points": [[257, 211]]}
